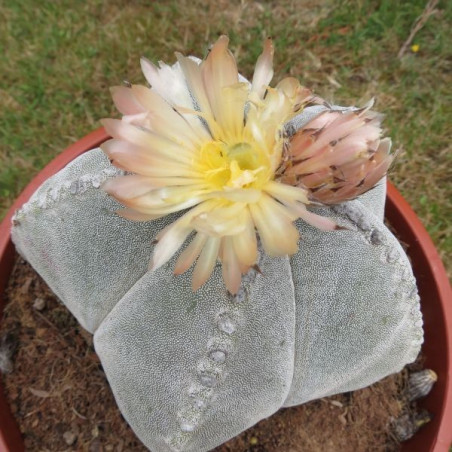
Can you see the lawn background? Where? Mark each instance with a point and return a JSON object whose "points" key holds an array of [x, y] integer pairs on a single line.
{"points": [[58, 58]]}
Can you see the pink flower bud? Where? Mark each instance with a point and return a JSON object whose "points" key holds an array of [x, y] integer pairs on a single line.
{"points": [[338, 155]]}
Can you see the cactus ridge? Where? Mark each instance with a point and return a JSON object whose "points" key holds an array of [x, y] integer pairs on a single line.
{"points": [[211, 368]]}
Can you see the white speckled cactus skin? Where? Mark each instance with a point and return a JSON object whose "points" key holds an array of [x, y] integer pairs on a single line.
{"points": [[191, 370]]}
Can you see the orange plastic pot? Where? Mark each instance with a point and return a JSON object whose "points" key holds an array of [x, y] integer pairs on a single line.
{"points": [[433, 284]]}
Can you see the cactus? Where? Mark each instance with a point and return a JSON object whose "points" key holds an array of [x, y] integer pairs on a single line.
{"points": [[191, 369]]}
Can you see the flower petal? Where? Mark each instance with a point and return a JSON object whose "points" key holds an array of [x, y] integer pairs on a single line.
{"points": [[322, 223], [218, 71], [230, 266], [231, 113], [263, 72], [206, 262], [274, 224], [138, 159], [239, 194], [162, 198], [193, 76], [134, 215], [189, 255], [298, 95], [165, 120], [168, 81], [128, 186], [245, 243], [220, 221], [338, 155], [125, 100], [152, 142], [286, 192], [169, 243]]}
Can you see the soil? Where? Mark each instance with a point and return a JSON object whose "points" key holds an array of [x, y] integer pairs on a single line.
{"points": [[61, 400]]}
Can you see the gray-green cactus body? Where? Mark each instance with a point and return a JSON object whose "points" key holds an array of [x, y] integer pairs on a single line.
{"points": [[71, 235], [197, 368], [347, 302], [191, 370]]}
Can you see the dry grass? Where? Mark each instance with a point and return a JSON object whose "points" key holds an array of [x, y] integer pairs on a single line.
{"points": [[59, 58]]}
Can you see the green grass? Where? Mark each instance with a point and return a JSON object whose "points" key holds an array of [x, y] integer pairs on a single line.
{"points": [[58, 59]]}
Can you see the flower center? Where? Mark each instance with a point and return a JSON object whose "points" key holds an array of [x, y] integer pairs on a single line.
{"points": [[238, 165]]}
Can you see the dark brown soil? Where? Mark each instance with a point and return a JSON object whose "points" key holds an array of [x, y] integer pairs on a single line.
{"points": [[60, 397]]}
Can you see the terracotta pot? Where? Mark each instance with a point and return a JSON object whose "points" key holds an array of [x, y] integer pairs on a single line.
{"points": [[434, 288]]}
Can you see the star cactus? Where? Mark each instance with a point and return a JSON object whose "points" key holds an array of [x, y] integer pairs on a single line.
{"points": [[314, 295]]}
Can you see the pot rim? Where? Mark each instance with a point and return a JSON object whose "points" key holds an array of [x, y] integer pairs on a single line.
{"points": [[429, 270]]}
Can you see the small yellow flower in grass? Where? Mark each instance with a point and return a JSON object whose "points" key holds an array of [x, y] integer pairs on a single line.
{"points": [[254, 441], [415, 48], [204, 141]]}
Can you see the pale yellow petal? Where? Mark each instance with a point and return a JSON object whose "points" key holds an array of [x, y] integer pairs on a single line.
{"points": [[218, 70], [286, 192], [190, 254], [193, 76], [297, 94], [168, 244], [239, 194], [134, 215], [150, 141], [263, 72], [168, 82], [195, 205], [230, 266], [162, 198], [164, 119], [125, 100], [231, 113], [245, 243], [274, 224], [138, 159], [129, 186], [206, 262], [322, 223], [220, 221]]}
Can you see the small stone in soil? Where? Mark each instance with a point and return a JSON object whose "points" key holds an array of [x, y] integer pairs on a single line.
{"points": [[39, 304], [69, 438], [336, 403]]}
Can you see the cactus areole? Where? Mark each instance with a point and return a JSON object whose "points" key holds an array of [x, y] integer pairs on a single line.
{"points": [[272, 278]]}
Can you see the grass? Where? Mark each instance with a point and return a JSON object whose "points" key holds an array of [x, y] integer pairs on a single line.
{"points": [[58, 59]]}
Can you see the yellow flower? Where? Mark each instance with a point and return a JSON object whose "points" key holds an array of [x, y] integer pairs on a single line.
{"points": [[204, 139], [415, 48]]}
